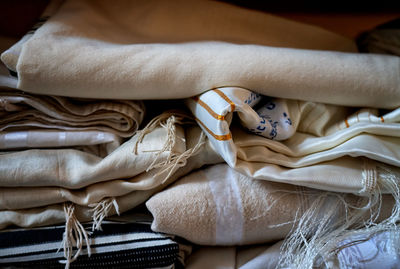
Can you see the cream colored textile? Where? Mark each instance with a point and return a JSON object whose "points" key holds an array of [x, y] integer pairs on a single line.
{"points": [[39, 138], [74, 169], [116, 179], [304, 128], [310, 137], [177, 49], [225, 207], [21, 111]]}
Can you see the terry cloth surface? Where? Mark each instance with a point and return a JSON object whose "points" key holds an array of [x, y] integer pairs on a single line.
{"points": [[118, 245], [177, 49], [20, 111], [225, 207]]}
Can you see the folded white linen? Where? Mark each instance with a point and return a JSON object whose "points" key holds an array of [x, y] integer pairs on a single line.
{"points": [[314, 138], [157, 50]]}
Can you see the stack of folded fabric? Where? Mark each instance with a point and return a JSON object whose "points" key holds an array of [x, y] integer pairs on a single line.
{"points": [[284, 132]]}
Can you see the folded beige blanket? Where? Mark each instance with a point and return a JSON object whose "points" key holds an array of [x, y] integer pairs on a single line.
{"points": [[21, 111], [225, 207], [176, 49]]}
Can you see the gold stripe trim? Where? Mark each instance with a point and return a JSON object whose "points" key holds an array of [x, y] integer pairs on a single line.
{"points": [[229, 101], [347, 123], [217, 137], [209, 110]]}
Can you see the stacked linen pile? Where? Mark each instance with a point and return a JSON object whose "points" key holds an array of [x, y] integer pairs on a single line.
{"points": [[312, 155]]}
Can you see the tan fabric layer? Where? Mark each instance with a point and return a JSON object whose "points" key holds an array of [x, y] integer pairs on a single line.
{"points": [[21, 111], [225, 207], [75, 169], [178, 49]]}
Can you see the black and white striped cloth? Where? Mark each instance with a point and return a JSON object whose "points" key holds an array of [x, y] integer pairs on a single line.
{"points": [[118, 245]]}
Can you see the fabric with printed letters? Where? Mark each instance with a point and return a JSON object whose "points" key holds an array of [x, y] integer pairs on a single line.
{"points": [[290, 140]]}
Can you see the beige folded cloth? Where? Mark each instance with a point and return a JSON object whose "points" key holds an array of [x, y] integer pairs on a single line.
{"points": [[23, 197], [38, 206], [21, 111], [224, 207], [45, 138], [177, 49], [75, 169], [297, 142], [293, 133]]}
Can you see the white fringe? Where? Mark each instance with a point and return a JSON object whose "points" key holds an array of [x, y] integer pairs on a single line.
{"points": [[101, 211], [168, 121], [74, 235], [334, 217]]}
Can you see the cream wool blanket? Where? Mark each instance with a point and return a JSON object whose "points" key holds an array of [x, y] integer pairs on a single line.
{"points": [[177, 49]]}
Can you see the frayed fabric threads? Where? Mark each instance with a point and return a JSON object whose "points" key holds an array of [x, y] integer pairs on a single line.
{"points": [[342, 216], [168, 121], [101, 210], [75, 235]]}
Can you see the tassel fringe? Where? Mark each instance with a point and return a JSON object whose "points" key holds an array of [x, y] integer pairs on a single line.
{"points": [[334, 217], [75, 235], [101, 211], [168, 121]]}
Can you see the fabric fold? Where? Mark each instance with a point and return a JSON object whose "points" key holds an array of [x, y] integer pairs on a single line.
{"points": [[229, 208], [24, 110], [133, 57]]}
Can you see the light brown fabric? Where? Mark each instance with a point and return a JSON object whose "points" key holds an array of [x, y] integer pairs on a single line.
{"points": [[228, 208], [22, 111], [18, 197], [75, 169], [138, 55]]}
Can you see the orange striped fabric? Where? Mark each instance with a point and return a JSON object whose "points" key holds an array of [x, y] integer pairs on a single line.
{"points": [[209, 110], [223, 96], [217, 137]]}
